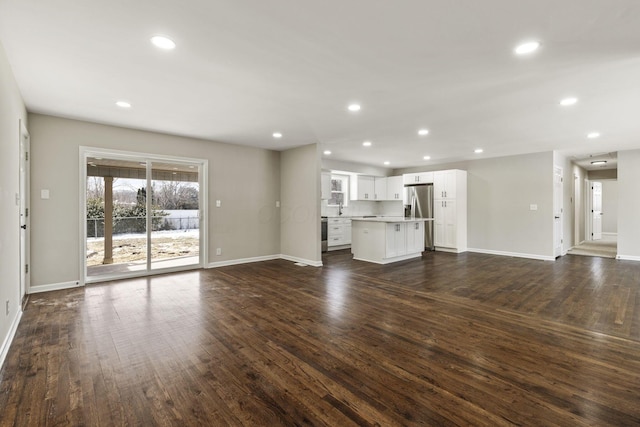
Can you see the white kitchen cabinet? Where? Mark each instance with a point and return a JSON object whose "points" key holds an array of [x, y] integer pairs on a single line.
{"points": [[415, 236], [386, 240], [417, 178], [325, 186], [338, 233], [445, 183], [363, 188], [396, 242], [450, 210], [380, 188], [444, 227], [395, 188]]}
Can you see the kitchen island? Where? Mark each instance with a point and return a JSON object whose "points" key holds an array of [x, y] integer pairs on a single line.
{"points": [[383, 240]]}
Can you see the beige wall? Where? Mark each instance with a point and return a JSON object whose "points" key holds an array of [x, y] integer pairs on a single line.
{"points": [[300, 216], [629, 204], [500, 191], [245, 179], [12, 110]]}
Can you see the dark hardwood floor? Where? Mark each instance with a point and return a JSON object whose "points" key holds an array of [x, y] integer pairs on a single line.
{"points": [[448, 339]]}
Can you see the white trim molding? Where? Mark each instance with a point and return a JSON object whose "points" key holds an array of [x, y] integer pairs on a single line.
{"points": [[301, 260], [512, 254], [4, 350], [264, 258], [242, 261], [55, 287], [628, 257]]}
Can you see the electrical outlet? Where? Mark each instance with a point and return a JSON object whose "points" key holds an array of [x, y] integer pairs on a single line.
{"points": [[277, 203], [218, 203], [218, 252], [7, 310]]}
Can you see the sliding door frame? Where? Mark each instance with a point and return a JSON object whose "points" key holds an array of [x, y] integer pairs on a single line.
{"points": [[203, 166]]}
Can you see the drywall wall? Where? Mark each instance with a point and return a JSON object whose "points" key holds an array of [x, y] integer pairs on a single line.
{"points": [[598, 174], [609, 206], [246, 180], [300, 195], [12, 110], [358, 168], [500, 192], [629, 205]]}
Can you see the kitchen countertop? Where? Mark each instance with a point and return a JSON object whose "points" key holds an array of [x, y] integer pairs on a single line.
{"points": [[391, 219]]}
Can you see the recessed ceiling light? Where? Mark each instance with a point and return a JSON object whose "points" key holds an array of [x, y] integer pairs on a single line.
{"points": [[327, 152], [568, 101], [277, 135], [599, 162], [593, 135], [387, 163], [354, 107], [163, 42], [427, 157], [527, 47], [423, 132], [478, 150], [123, 104], [367, 143]]}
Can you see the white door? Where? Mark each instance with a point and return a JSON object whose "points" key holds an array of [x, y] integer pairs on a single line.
{"points": [[24, 210], [557, 211], [596, 211]]}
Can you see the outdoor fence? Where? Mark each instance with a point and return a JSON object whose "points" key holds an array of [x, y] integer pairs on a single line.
{"points": [[138, 224]]}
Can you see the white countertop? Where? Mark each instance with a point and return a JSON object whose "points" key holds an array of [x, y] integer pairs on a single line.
{"points": [[391, 219]]}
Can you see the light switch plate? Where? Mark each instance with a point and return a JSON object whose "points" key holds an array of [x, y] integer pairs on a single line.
{"points": [[277, 203], [44, 194], [533, 207], [218, 203]]}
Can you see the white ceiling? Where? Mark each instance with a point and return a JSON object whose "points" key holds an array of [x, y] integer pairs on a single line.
{"points": [[244, 69]]}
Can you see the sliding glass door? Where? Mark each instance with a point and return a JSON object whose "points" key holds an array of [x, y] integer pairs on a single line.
{"points": [[143, 214]]}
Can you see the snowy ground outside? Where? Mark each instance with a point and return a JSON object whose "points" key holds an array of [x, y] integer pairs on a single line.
{"points": [[133, 247]]}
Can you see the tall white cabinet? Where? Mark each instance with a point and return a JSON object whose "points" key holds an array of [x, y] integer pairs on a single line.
{"points": [[450, 210]]}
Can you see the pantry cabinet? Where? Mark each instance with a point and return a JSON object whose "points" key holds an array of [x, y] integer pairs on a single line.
{"points": [[450, 210]]}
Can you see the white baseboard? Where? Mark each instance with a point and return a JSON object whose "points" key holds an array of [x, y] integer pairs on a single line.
{"points": [[301, 260], [450, 250], [242, 261], [4, 350], [264, 258], [628, 257], [512, 254], [54, 287]]}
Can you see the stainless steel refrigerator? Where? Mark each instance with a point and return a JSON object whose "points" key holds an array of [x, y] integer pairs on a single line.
{"points": [[418, 201]]}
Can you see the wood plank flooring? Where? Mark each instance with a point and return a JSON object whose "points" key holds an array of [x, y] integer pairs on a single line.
{"points": [[448, 339]]}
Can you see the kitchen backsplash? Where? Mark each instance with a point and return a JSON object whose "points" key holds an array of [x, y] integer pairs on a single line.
{"points": [[361, 208]]}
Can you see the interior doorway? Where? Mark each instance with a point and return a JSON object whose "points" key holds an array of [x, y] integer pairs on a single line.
{"points": [[600, 213], [144, 214]]}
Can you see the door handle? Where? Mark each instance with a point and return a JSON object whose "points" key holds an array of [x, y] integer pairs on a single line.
{"points": [[556, 217], [24, 227]]}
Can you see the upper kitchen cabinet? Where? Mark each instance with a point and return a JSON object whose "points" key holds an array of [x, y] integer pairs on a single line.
{"points": [[380, 188], [325, 185], [417, 178], [363, 188], [394, 188], [446, 182]]}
